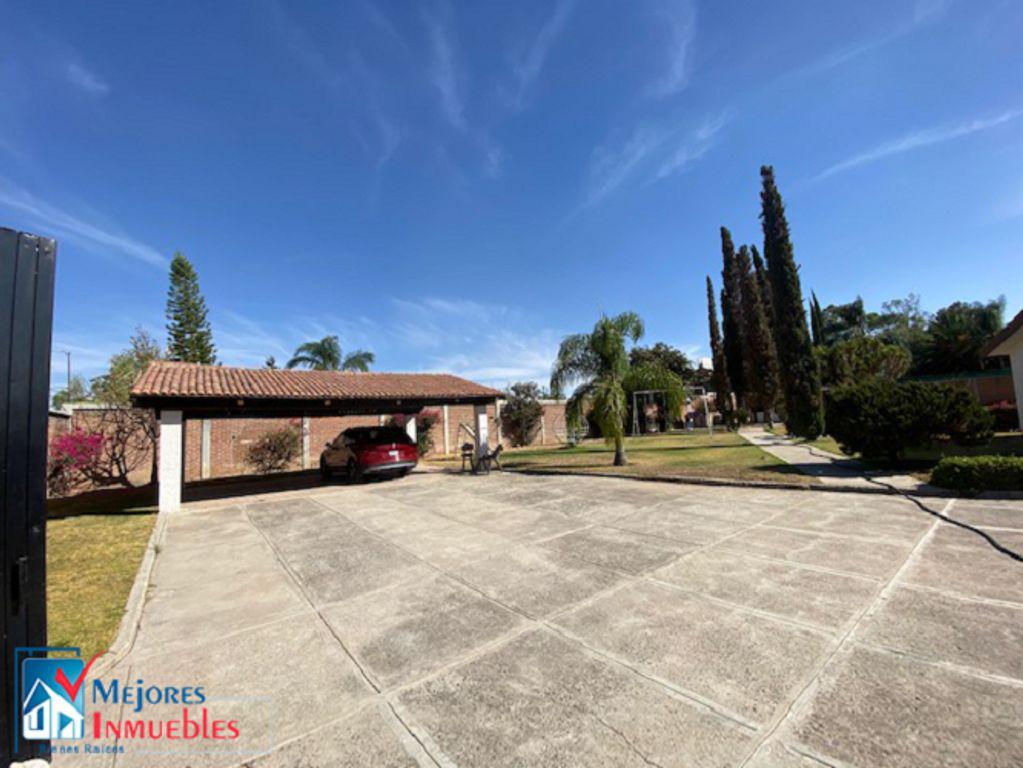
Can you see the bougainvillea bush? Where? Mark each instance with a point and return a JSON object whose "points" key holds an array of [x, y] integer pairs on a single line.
{"points": [[75, 457]]}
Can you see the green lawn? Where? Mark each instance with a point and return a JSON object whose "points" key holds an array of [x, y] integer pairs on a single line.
{"points": [[91, 561], [697, 454]]}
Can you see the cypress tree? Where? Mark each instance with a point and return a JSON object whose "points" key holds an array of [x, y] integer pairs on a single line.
{"points": [[762, 369], [816, 320], [800, 377], [719, 377], [731, 316], [764, 284], [189, 337]]}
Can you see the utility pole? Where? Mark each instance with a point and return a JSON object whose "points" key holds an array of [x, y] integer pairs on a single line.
{"points": [[68, 355]]}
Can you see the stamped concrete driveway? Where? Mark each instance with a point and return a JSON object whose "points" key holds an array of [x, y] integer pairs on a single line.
{"points": [[560, 621]]}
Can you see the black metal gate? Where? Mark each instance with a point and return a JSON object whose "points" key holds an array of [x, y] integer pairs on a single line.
{"points": [[26, 320]]}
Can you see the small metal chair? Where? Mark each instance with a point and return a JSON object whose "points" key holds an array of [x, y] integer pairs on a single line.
{"points": [[494, 457], [469, 454]]}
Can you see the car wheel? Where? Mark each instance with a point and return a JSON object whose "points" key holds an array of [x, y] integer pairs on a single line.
{"points": [[353, 471], [325, 472]]}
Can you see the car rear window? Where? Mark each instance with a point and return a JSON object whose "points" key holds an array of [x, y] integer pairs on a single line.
{"points": [[380, 435]]}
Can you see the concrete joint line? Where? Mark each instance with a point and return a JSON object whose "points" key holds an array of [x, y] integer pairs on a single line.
{"points": [[625, 739], [392, 695], [804, 696], [420, 738], [530, 624], [287, 616], [690, 697], [298, 582], [945, 665], [840, 536], [804, 566], [351, 714], [965, 598], [817, 629]]}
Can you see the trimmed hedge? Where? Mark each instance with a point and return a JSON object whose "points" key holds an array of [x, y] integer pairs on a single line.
{"points": [[972, 474], [880, 418]]}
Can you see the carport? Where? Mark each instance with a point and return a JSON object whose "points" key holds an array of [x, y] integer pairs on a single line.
{"points": [[179, 391]]}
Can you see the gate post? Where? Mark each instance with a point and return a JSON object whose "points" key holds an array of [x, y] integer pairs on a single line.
{"points": [[27, 265], [170, 471]]}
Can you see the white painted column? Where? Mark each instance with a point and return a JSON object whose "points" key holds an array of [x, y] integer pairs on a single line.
{"points": [[481, 427], [169, 470], [305, 442], [447, 439], [1016, 364], [204, 450], [543, 430], [410, 427]]}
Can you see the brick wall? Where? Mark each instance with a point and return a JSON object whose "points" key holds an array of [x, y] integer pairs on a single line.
{"points": [[988, 386], [57, 425], [229, 438]]}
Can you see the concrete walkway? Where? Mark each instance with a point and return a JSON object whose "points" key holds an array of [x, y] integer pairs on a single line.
{"points": [[830, 468]]}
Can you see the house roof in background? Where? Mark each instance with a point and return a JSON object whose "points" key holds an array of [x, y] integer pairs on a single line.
{"points": [[1014, 326], [184, 381]]}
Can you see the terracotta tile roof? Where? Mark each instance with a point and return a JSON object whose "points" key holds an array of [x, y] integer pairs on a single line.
{"points": [[191, 380]]}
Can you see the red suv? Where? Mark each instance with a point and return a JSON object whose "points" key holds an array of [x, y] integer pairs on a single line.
{"points": [[369, 451]]}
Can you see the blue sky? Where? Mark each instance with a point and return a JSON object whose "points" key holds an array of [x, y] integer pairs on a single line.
{"points": [[457, 186]]}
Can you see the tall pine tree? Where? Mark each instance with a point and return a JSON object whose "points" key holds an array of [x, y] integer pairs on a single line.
{"points": [[719, 376], [800, 377], [189, 337], [731, 316], [761, 371]]}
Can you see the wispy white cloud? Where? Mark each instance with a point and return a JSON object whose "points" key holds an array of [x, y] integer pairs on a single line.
{"points": [[391, 137], [528, 66], [352, 74], [1011, 207], [59, 222], [693, 147], [485, 342], [916, 140], [925, 12], [443, 71], [656, 151], [381, 21], [611, 168], [678, 19], [502, 358], [86, 80]]}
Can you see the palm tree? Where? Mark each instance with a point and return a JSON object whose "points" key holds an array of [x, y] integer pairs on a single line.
{"points": [[599, 361], [325, 355]]}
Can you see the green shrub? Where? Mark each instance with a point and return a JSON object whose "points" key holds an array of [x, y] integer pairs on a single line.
{"points": [[972, 474], [274, 451], [857, 359], [880, 418], [521, 413]]}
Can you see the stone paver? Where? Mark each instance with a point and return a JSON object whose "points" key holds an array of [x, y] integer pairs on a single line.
{"points": [[566, 621]]}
